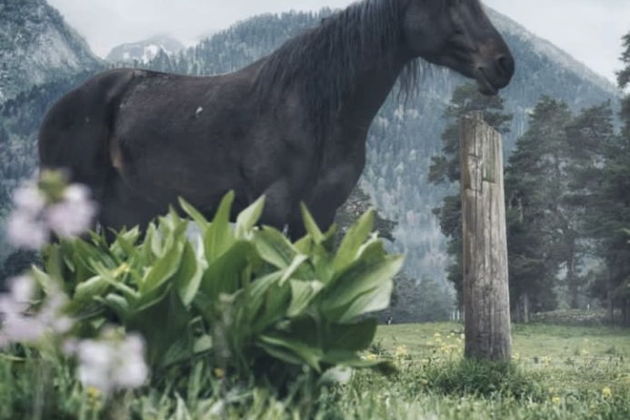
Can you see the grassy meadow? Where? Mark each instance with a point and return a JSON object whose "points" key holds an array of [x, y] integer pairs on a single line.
{"points": [[559, 372]]}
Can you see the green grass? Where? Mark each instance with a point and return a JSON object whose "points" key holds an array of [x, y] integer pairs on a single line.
{"points": [[566, 356], [559, 373]]}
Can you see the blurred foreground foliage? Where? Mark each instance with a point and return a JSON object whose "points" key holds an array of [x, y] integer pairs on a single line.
{"points": [[241, 298]]}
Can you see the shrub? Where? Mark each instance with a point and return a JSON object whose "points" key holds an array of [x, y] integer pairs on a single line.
{"points": [[242, 298]]}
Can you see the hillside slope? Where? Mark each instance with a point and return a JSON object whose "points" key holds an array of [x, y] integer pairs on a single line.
{"points": [[37, 47]]}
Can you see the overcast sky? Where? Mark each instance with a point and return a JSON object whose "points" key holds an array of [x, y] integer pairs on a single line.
{"points": [[590, 30]]}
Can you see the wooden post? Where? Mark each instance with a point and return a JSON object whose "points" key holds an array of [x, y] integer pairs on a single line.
{"points": [[485, 264]]}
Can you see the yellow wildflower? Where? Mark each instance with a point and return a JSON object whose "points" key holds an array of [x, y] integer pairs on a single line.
{"points": [[606, 392], [93, 393], [401, 351], [556, 399], [219, 373], [123, 269]]}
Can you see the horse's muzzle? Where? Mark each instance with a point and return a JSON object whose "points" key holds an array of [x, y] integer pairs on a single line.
{"points": [[495, 74]]}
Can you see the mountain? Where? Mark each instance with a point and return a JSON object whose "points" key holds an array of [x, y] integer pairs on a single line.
{"points": [[144, 51], [37, 47], [404, 136]]}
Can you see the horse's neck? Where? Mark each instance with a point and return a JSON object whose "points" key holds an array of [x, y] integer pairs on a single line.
{"points": [[373, 84]]}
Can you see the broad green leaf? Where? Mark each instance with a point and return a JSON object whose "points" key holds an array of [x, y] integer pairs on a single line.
{"points": [[262, 284], [125, 242], [147, 256], [310, 355], [302, 293], [352, 241], [276, 301], [310, 225], [162, 269], [248, 218], [281, 353], [199, 218], [89, 289], [224, 274], [44, 280], [363, 288], [118, 304], [295, 265], [352, 337], [304, 245], [322, 264], [202, 344], [188, 277], [108, 275], [373, 300], [54, 262], [157, 243], [219, 235], [274, 247], [163, 325]]}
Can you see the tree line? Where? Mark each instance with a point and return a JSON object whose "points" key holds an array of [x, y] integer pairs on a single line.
{"points": [[567, 197]]}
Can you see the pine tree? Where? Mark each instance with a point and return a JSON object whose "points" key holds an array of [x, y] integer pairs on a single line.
{"points": [[612, 215], [445, 167], [590, 136], [541, 230]]}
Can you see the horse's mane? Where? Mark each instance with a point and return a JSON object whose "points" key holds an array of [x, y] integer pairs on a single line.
{"points": [[322, 63]]}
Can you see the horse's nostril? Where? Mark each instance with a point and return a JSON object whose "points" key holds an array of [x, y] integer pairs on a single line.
{"points": [[506, 64]]}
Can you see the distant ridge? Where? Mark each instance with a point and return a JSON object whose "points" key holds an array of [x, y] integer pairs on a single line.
{"points": [[145, 50]]}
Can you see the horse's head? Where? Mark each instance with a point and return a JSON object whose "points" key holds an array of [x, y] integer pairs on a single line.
{"points": [[459, 35]]}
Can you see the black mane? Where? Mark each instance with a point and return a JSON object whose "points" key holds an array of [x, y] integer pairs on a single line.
{"points": [[323, 62]]}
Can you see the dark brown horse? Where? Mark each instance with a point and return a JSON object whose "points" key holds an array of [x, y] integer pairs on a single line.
{"points": [[291, 126]]}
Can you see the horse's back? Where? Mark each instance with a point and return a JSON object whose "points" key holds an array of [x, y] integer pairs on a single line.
{"points": [[75, 133], [176, 135]]}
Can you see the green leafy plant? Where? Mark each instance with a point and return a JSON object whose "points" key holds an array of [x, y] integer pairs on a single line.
{"points": [[240, 296]]}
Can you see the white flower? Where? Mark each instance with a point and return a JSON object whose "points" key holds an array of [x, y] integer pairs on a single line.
{"points": [[32, 220], [22, 288], [95, 363], [24, 230], [109, 364], [19, 325], [17, 328], [133, 371], [28, 198], [72, 216]]}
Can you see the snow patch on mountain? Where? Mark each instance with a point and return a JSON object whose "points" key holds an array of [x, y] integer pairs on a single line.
{"points": [[145, 50]]}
